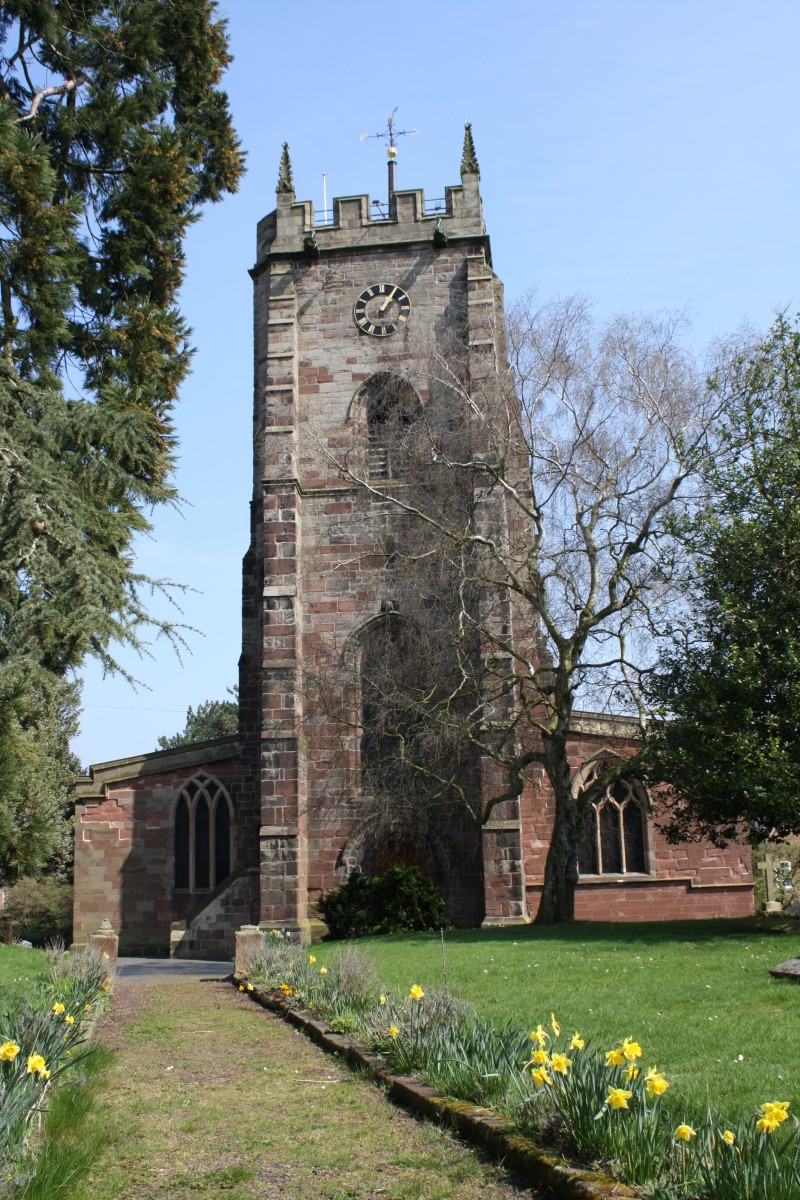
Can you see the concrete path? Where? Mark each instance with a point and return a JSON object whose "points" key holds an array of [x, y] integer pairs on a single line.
{"points": [[154, 969]]}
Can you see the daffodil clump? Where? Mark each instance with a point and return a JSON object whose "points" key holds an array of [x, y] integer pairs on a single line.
{"points": [[614, 1109], [609, 1104], [41, 1036], [341, 993]]}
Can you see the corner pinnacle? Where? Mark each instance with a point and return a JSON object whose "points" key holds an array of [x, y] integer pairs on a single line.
{"points": [[469, 161], [285, 181]]}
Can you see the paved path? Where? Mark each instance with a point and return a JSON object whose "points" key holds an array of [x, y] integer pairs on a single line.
{"points": [[208, 1095], [154, 969]]}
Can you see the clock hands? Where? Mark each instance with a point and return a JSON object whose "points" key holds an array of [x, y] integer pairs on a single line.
{"points": [[387, 301]]}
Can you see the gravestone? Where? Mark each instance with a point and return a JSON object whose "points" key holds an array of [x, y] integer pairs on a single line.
{"points": [[787, 970], [767, 867]]}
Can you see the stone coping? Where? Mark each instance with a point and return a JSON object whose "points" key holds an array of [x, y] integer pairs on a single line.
{"points": [[155, 762], [480, 1126]]}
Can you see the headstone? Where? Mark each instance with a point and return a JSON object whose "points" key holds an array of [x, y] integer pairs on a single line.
{"points": [[788, 970], [767, 866]]}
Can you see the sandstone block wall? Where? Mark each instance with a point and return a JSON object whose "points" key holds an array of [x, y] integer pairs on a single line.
{"points": [[124, 846], [683, 882]]}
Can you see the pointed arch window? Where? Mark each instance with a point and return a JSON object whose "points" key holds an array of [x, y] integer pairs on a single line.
{"points": [[392, 407], [615, 831], [202, 823]]}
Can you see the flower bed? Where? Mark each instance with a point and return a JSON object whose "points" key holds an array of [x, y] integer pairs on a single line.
{"points": [[42, 1036], [598, 1105]]}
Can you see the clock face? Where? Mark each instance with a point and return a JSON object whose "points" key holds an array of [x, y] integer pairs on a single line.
{"points": [[381, 309]]}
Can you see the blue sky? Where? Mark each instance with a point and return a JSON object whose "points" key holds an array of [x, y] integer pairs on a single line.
{"points": [[643, 154]]}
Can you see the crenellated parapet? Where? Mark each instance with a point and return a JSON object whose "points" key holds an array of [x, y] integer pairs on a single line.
{"points": [[408, 217]]}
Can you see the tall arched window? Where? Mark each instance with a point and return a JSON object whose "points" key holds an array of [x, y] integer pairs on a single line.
{"points": [[392, 406], [202, 825], [615, 831]]}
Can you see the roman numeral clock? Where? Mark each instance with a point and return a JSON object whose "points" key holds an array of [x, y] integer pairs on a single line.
{"points": [[381, 309]]}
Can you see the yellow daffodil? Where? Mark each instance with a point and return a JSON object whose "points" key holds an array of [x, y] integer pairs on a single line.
{"points": [[312, 958], [618, 1097], [541, 1078], [541, 1036], [615, 1058], [323, 970], [632, 1073], [777, 1110], [655, 1083], [728, 1137], [8, 1051], [577, 1042], [685, 1133], [393, 1031], [767, 1124], [87, 1008], [58, 1008], [36, 1064], [541, 1058], [69, 1020], [554, 1025], [416, 992], [241, 987], [382, 999], [632, 1050], [561, 1064], [287, 991], [105, 987], [249, 987]]}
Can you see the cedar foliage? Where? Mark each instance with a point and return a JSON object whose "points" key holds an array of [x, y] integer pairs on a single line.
{"points": [[113, 134]]}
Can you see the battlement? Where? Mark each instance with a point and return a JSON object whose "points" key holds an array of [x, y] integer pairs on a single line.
{"points": [[354, 222]]}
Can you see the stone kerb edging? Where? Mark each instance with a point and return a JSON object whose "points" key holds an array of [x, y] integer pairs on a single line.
{"points": [[480, 1126]]}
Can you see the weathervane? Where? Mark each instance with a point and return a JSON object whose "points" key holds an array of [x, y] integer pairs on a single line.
{"points": [[389, 134]]}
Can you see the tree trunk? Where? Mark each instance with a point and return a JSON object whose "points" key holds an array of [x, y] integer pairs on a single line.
{"points": [[557, 903]]}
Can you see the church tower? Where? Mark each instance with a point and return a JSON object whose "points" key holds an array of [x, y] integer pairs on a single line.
{"points": [[379, 363], [348, 310]]}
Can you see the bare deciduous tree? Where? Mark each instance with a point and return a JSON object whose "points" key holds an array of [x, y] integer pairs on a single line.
{"points": [[535, 498]]}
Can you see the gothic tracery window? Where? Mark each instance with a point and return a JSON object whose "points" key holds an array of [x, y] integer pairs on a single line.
{"points": [[392, 407], [202, 832], [615, 832]]}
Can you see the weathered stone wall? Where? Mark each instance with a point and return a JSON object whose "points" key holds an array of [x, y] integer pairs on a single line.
{"points": [[316, 572], [124, 845], [683, 882]]}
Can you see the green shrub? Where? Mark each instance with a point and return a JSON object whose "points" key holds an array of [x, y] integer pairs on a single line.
{"points": [[401, 901], [40, 910]]}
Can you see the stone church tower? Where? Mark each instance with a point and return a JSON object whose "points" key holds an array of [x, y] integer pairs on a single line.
{"points": [[347, 313], [181, 848]]}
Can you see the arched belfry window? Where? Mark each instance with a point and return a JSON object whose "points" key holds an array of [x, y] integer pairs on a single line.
{"points": [[202, 826], [615, 831], [392, 407]]}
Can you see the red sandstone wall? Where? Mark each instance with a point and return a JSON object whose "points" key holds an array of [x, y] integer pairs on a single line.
{"points": [[124, 859], [685, 882]]}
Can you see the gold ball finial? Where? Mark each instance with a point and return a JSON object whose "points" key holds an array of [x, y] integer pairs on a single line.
{"points": [[391, 153]]}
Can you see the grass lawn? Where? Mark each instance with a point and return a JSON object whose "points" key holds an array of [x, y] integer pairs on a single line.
{"points": [[696, 994], [20, 966]]}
